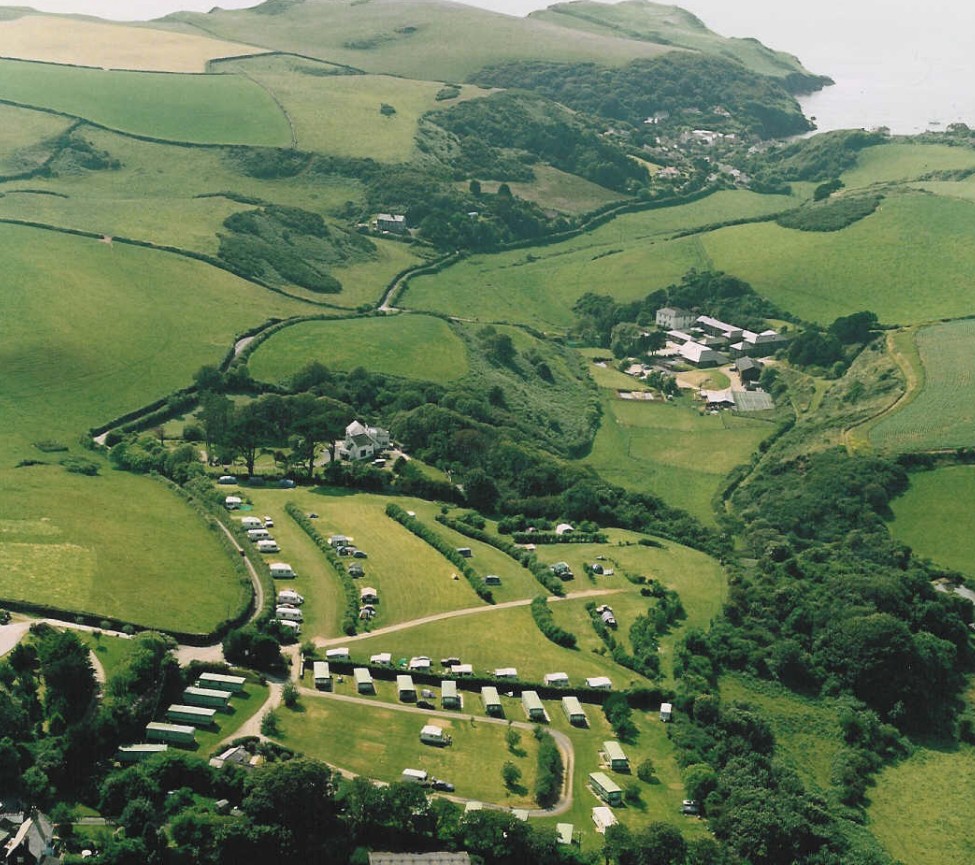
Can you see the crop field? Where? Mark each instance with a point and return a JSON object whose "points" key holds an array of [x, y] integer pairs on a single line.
{"points": [[889, 163], [23, 134], [381, 742], [926, 786], [412, 579], [941, 415], [909, 262], [110, 46], [672, 450], [203, 109], [936, 516], [627, 258], [415, 346]]}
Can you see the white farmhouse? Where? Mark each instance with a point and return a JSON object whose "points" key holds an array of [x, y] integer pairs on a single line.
{"points": [[362, 442]]}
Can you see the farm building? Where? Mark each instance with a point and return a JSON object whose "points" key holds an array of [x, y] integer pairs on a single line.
{"points": [[533, 706], [491, 701], [288, 614], [414, 776], [395, 223], [556, 679], [748, 369], [251, 523], [719, 328], [431, 734], [368, 595], [573, 711], [420, 662], [462, 669], [701, 355], [449, 696], [361, 442], [565, 833], [616, 759], [176, 734], [221, 681], [758, 344], [322, 676], [281, 570], [666, 712], [338, 654], [603, 818], [232, 503], [406, 689], [363, 681], [198, 716], [208, 697], [268, 545], [606, 788], [674, 318], [602, 683], [381, 658], [506, 673], [290, 597], [492, 580], [135, 753]]}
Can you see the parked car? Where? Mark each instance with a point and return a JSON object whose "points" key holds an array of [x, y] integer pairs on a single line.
{"points": [[268, 522], [359, 554], [444, 786]]}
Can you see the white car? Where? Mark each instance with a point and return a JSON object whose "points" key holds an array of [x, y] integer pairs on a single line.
{"points": [[268, 522]]}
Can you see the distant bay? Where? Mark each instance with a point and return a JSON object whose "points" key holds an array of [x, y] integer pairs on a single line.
{"points": [[902, 64]]}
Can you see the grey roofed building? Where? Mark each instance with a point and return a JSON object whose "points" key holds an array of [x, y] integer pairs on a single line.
{"points": [[437, 858], [33, 842]]}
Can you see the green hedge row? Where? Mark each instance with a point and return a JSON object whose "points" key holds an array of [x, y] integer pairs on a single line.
{"points": [[395, 512], [541, 572], [546, 624], [350, 621], [553, 538], [551, 770]]}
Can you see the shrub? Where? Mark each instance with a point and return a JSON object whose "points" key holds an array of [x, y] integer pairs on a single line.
{"points": [[290, 695], [645, 771]]}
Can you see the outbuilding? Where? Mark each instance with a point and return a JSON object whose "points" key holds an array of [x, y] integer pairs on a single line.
{"points": [[666, 712], [491, 701], [175, 734], [533, 706], [615, 757], [363, 681], [281, 570], [406, 689], [574, 712], [606, 788], [222, 682], [197, 716], [449, 696], [322, 676], [208, 697]]}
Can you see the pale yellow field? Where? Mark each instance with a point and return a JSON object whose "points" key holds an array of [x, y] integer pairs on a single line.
{"points": [[111, 46]]}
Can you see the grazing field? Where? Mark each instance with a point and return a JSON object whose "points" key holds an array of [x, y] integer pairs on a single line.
{"points": [[203, 109], [928, 786], [557, 192], [889, 163], [627, 258], [672, 450], [381, 742], [24, 138], [110, 46], [936, 516], [415, 346], [942, 414], [909, 262]]}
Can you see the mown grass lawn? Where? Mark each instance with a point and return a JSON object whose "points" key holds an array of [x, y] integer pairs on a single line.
{"points": [[203, 109], [414, 346], [381, 742], [936, 516]]}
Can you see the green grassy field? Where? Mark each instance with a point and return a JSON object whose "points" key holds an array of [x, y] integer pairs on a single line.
{"points": [[888, 163], [415, 346], [22, 137], [930, 786], [203, 109], [940, 415], [380, 742], [936, 519], [111, 652], [557, 192], [627, 258]]}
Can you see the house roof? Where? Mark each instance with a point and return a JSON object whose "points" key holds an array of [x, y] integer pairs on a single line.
{"points": [[697, 353], [743, 364], [361, 439]]}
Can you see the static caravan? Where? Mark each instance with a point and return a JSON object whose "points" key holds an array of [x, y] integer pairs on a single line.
{"points": [[294, 627], [431, 734], [322, 676], [288, 614], [208, 697], [506, 673], [462, 669], [381, 658], [615, 757], [226, 479], [449, 697], [420, 662], [603, 683], [603, 817], [222, 682], [492, 580], [135, 753], [289, 596], [256, 535], [565, 833], [406, 689], [339, 654], [176, 734], [337, 541], [197, 716], [414, 776], [368, 595], [606, 788], [251, 523], [268, 545], [533, 707], [556, 679], [573, 711], [666, 712], [280, 570], [492, 701], [363, 681], [232, 503], [520, 814]]}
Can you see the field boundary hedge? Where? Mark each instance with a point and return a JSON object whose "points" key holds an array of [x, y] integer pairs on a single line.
{"points": [[350, 620], [541, 572], [395, 512], [546, 624], [547, 538]]}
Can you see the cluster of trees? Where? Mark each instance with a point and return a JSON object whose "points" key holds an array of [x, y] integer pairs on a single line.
{"points": [[832, 215], [643, 638], [821, 158], [546, 624], [551, 770], [685, 85], [835, 347]]}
